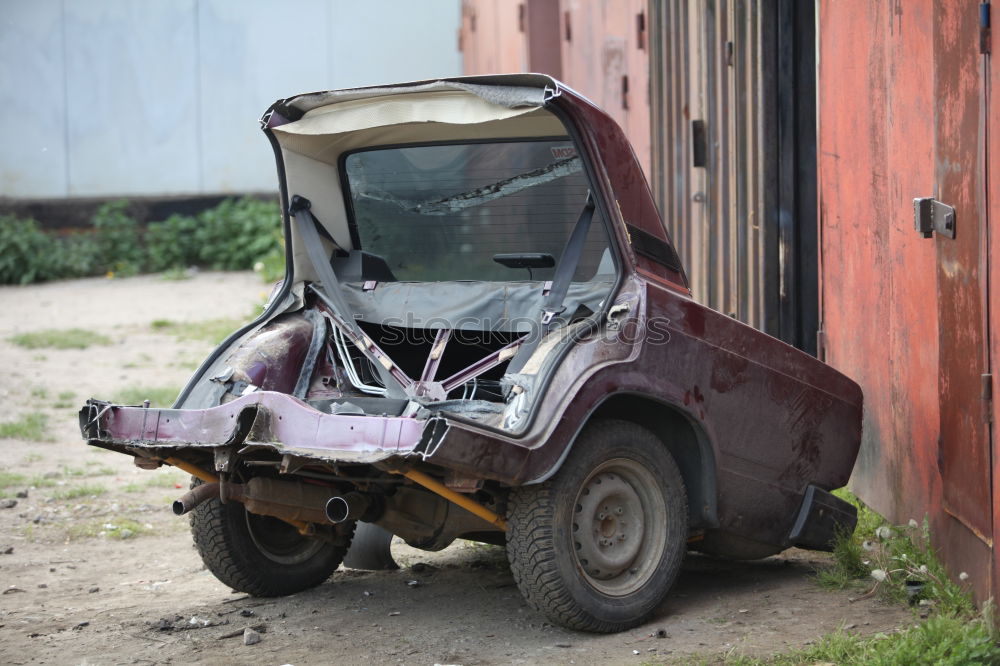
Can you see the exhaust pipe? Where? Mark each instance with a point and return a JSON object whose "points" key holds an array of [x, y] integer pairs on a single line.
{"points": [[347, 507], [190, 500]]}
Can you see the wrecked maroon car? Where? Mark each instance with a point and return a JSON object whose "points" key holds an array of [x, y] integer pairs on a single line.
{"points": [[485, 333]]}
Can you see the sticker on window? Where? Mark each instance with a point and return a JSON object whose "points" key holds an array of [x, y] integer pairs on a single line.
{"points": [[563, 152]]}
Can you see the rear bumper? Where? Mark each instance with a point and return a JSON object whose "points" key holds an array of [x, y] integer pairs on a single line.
{"points": [[821, 517], [264, 419]]}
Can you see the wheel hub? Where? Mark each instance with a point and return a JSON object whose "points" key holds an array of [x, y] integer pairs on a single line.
{"points": [[608, 526]]}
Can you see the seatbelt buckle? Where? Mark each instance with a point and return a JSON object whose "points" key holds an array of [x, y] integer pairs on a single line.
{"points": [[549, 315]]}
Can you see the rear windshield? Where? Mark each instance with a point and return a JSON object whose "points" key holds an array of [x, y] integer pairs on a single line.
{"points": [[443, 212]]}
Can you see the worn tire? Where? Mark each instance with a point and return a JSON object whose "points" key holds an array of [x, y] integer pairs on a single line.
{"points": [[261, 555], [568, 538], [370, 549]]}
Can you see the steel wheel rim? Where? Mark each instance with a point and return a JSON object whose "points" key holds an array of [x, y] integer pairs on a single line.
{"points": [[280, 542], [619, 527]]}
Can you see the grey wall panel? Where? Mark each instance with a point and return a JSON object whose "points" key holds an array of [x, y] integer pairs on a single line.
{"points": [[250, 55], [384, 41], [159, 97], [32, 99], [131, 80]]}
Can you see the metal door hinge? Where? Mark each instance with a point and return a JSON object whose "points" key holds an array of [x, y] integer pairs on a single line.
{"points": [[930, 215]]}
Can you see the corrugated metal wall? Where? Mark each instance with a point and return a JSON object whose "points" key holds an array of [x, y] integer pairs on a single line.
{"points": [[732, 144]]}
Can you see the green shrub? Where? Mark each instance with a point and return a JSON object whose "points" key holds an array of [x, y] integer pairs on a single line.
{"points": [[172, 243], [25, 252], [117, 238], [237, 233]]}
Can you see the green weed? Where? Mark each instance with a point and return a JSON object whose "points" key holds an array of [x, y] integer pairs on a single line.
{"points": [[118, 528], [31, 427], [8, 479], [943, 640], [54, 338], [77, 492], [210, 330], [159, 396]]}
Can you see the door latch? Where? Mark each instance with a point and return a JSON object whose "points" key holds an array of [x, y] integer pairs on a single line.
{"points": [[932, 216]]}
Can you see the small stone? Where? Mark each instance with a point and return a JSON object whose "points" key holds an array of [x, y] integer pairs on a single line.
{"points": [[635, 652], [163, 624], [413, 583], [8, 503], [7, 550], [93, 590], [250, 637], [81, 625], [12, 590], [247, 612], [564, 645], [125, 533], [662, 633], [42, 586], [393, 613], [22, 494]]}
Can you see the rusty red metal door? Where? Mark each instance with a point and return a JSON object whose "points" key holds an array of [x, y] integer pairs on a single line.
{"points": [[960, 166]]}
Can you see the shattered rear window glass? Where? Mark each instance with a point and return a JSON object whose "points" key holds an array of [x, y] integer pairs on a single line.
{"points": [[441, 212]]}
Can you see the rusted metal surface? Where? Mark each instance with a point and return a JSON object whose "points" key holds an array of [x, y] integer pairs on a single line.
{"points": [[963, 355], [491, 38], [599, 48], [902, 314]]}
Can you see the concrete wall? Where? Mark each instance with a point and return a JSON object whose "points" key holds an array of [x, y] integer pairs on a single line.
{"points": [[162, 97]]}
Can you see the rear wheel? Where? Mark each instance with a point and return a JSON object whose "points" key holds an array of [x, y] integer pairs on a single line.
{"points": [[597, 546], [261, 555]]}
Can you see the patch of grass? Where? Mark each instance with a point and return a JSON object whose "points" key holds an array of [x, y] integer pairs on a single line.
{"points": [[945, 640], [31, 427], [159, 396], [165, 479], [78, 472], [32, 458], [118, 528], [65, 399], [77, 492], [41, 482], [133, 487], [40, 392], [53, 338], [176, 273], [888, 557], [8, 479], [209, 330]]}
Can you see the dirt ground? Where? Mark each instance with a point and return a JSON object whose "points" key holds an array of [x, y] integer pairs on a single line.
{"points": [[101, 571]]}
